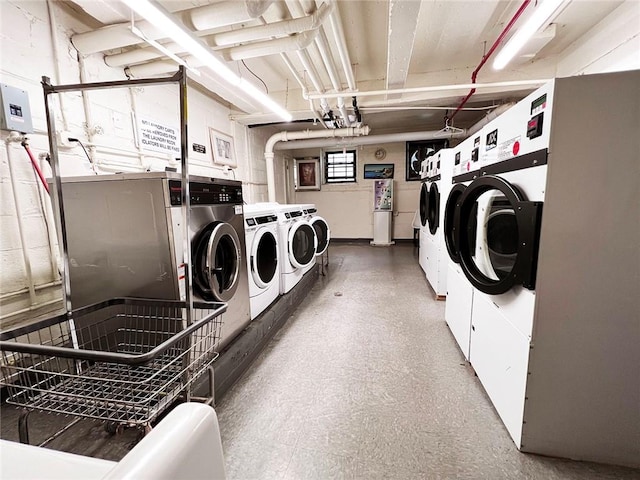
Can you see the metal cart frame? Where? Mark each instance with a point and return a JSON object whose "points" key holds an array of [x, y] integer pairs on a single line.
{"points": [[77, 355]]}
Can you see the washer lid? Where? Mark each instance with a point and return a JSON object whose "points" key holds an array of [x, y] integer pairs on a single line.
{"points": [[424, 203], [433, 208], [264, 258], [216, 262], [323, 233], [302, 244], [452, 221], [498, 235]]}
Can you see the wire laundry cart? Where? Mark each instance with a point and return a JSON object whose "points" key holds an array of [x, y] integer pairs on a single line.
{"points": [[122, 361]]}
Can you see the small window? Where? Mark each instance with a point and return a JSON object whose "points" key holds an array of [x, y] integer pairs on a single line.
{"points": [[340, 166]]}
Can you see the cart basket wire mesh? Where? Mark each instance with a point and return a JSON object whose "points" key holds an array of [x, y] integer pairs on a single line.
{"points": [[123, 360]]}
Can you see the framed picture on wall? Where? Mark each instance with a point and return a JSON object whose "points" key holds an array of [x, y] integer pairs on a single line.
{"points": [[307, 173], [222, 148], [378, 170], [419, 151]]}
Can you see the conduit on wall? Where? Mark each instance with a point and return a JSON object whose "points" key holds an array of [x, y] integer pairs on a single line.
{"points": [[307, 134]]}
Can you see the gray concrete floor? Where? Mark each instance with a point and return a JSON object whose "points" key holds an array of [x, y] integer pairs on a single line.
{"points": [[365, 381]]}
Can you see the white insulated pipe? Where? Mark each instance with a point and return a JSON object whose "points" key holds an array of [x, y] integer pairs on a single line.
{"points": [[306, 134], [434, 88], [16, 138], [371, 140], [227, 12], [341, 42], [496, 112], [202, 18], [269, 47], [247, 34]]}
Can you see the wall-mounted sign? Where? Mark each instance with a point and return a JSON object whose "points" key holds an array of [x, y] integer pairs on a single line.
{"points": [[157, 137], [199, 148]]}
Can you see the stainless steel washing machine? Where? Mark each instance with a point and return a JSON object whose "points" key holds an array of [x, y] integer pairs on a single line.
{"points": [[125, 238]]}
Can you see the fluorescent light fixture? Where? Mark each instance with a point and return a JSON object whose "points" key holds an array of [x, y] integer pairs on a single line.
{"points": [[541, 14], [162, 19], [162, 49]]}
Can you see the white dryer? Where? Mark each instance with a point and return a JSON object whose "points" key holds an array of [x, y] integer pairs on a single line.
{"points": [[438, 185], [460, 292], [423, 208], [554, 314], [298, 244], [261, 230]]}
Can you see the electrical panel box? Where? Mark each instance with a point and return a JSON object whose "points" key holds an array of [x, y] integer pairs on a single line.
{"points": [[16, 112]]}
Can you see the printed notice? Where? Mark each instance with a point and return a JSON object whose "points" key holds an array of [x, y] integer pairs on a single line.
{"points": [[156, 137], [509, 149]]}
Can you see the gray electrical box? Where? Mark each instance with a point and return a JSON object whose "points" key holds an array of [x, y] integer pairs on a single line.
{"points": [[16, 113]]}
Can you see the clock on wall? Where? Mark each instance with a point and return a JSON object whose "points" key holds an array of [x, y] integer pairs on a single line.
{"points": [[380, 154]]}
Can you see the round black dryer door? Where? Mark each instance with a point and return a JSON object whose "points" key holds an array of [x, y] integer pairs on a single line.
{"points": [[424, 204], [216, 262], [264, 258], [302, 244], [323, 233], [452, 221], [498, 235], [433, 208]]}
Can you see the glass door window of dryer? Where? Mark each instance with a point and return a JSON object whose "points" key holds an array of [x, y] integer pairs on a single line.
{"points": [[424, 204], [496, 246], [302, 245], [433, 208], [216, 262], [264, 258]]}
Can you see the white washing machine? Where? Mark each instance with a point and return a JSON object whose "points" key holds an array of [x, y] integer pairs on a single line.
{"points": [[460, 292], [261, 230], [298, 243], [547, 235], [319, 224], [125, 238], [438, 185]]}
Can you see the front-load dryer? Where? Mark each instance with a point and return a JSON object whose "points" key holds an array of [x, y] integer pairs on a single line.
{"points": [[438, 185], [261, 228], [460, 292], [125, 239], [423, 208], [548, 235], [298, 243]]}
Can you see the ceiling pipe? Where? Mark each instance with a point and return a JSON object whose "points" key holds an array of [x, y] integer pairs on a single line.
{"points": [[493, 48], [435, 88], [298, 41], [298, 79], [202, 18], [288, 136], [247, 34], [228, 12], [371, 139], [270, 47], [314, 77], [341, 42]]}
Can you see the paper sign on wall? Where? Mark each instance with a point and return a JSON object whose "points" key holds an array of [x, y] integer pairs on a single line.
{"points": [[156, 137]]}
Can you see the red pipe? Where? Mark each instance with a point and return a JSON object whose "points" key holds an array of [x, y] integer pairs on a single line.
{"points": [[495, 45], [36, 167]]}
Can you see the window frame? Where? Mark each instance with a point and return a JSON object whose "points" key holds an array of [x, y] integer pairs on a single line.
{"points": [[352, 179]]}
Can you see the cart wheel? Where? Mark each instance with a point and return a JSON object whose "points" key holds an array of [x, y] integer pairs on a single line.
{"points": [[111, 428]]}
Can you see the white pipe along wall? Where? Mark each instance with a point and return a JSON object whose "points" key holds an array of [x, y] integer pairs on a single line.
{"points": [[369, 140], [287, 136]]}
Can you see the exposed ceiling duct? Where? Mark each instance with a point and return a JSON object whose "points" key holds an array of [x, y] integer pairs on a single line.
{"points": [[202, 18]]}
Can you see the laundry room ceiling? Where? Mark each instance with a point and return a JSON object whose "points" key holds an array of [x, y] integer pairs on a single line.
{"points": [[389, 45]]}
